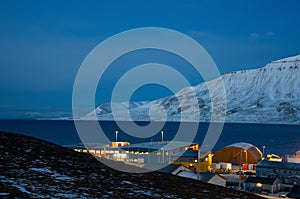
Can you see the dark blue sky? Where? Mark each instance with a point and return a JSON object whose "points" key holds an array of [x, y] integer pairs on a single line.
{"points": [[42, 43]]}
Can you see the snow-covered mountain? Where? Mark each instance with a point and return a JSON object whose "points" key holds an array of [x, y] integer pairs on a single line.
{"points": [[267, 95]]}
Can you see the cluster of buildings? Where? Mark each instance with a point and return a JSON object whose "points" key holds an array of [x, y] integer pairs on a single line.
{"points": [[240, 165]]}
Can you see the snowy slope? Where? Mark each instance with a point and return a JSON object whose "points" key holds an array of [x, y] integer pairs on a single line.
{"points": [[267, 95]]}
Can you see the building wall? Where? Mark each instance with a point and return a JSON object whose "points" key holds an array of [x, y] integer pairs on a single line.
{"points": [[204, 166], [276, 187], [249, 186], [293, 160], [191, 163]]}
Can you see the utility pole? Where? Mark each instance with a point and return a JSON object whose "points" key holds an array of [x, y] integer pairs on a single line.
{"points": [[199, 159], [117, 136], [162, 136], [263, 147], [240, 169]]}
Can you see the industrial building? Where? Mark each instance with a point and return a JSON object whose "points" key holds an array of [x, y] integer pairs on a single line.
{"points": [[238, 153], [140, 153], [155, 152]]}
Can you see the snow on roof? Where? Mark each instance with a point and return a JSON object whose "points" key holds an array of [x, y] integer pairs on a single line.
{"points": [[298, 152], [242, 145], [204, 176]]}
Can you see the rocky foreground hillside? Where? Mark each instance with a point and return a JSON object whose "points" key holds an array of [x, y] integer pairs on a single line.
{"points": [[32, 168]]}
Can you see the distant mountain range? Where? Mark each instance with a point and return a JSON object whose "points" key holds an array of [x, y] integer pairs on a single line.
{"points": [[266, 95]]}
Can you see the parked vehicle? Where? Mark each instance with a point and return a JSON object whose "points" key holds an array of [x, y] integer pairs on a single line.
{"points": [[249, 173], [239, 173]]}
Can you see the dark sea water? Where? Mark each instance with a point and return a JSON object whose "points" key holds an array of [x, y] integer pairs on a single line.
{"points": [[278, 139]]}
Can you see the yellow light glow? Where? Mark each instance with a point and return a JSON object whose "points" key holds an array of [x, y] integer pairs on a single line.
{"points": [[92, 151], [259, 184]]}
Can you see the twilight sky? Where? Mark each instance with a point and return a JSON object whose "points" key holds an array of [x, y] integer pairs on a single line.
{"points": [[42, 43]]}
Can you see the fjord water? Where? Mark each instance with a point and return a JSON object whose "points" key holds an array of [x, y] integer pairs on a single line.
{"points": [[279, 139]]}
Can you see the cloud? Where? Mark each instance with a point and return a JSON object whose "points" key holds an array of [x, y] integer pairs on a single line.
{"points": [[255, 36], [269, 33]]}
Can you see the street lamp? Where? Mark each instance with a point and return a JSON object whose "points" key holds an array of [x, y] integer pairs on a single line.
{"points": [[246, 156], [117, 136], [198, 163], [263, 147], [240, 169], [162, 136]]}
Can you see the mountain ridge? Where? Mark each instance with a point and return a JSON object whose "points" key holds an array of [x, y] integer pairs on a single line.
{"points": [[265, 95]]}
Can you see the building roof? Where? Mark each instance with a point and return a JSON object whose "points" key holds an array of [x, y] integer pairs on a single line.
{"points": [[170, 168], [278, 165], [294, 176], [153, 146], [232, 154], [189, 153], [298, 152], [242, 145], [204, 176], [261, 180]]}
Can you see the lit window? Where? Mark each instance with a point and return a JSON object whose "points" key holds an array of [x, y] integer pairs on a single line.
{"points": [[92, 151]]}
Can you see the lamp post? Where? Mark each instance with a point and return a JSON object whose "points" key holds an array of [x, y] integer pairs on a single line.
{"points": [[240, 169], [199, 160], [263, 147], [117, 136], [162, 136]]}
